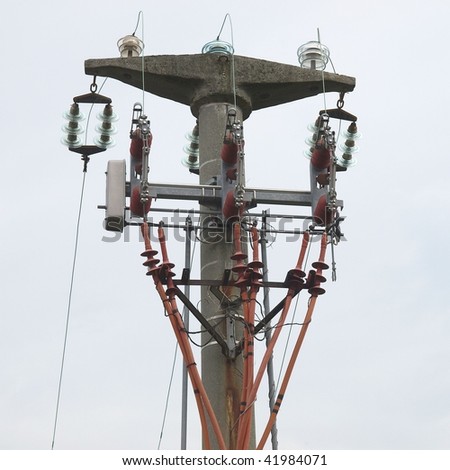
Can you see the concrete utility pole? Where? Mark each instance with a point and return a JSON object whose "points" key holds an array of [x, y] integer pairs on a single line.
{"points": [[205, 83]]}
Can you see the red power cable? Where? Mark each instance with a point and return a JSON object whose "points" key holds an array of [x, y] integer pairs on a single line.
{"points": [[315, 291], [177, 323]]}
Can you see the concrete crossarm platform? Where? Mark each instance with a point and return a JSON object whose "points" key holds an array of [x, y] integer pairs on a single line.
{"points": [[199, 79]]}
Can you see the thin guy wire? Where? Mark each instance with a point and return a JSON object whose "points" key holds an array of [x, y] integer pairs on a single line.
{"points": [[233, 72], [168, 396], [69, 304], [323, 74], [290, 329]]}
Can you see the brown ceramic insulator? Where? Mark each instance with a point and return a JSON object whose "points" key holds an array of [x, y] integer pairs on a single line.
{"points": [[171, 289], [319, 277], [316, 290], [242, 281], [255, 279], [255, 275], [297, 273], [239, 268], [151, 262], [151, 271], [255, 264], [149, 253], [238, 256]]}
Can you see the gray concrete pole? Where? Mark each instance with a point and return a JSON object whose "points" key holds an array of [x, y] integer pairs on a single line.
{"points": [[222, 376]]}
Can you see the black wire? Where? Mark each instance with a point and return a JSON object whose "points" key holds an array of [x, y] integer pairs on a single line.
{"points": [[137, 24], [69, 304]]}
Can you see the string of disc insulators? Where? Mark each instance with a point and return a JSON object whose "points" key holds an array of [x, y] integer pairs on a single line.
{"points": [[247, 278]]}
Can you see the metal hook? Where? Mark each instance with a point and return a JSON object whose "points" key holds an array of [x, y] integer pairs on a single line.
{"points": [[340, 101], [93, 87]]}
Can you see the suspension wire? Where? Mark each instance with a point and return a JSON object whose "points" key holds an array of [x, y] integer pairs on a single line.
{"points": [[140, 14], [233, 69], [143, 62], [69, 305], [169, 388], [323, 75], [140, 20], [291, 325], [90, 112]]}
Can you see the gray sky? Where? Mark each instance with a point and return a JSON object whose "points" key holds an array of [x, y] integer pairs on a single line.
{"points": [[373, 373]]}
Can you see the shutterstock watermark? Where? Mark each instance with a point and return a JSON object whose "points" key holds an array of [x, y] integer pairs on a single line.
{"points": [[213, 229]]}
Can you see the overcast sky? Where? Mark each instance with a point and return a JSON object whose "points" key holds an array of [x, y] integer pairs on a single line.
{"points": [[374, 370]]}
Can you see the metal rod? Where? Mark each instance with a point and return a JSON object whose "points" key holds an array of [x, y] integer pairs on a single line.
{"points": [[202, 320], [184, 384], [268, 333]]}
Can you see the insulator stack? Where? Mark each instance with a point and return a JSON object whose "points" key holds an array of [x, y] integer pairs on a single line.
{"points": [[130, 46], [149, 253], [349, 147], [192, 150], [311, 141], [239, 256], [151, 261], [313, 55], [295, 278], [72, 129], [320, 266], [106, 129]]}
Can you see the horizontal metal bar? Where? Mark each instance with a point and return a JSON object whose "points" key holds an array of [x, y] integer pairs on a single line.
{"points": [[211, 193], [220, 282]]}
